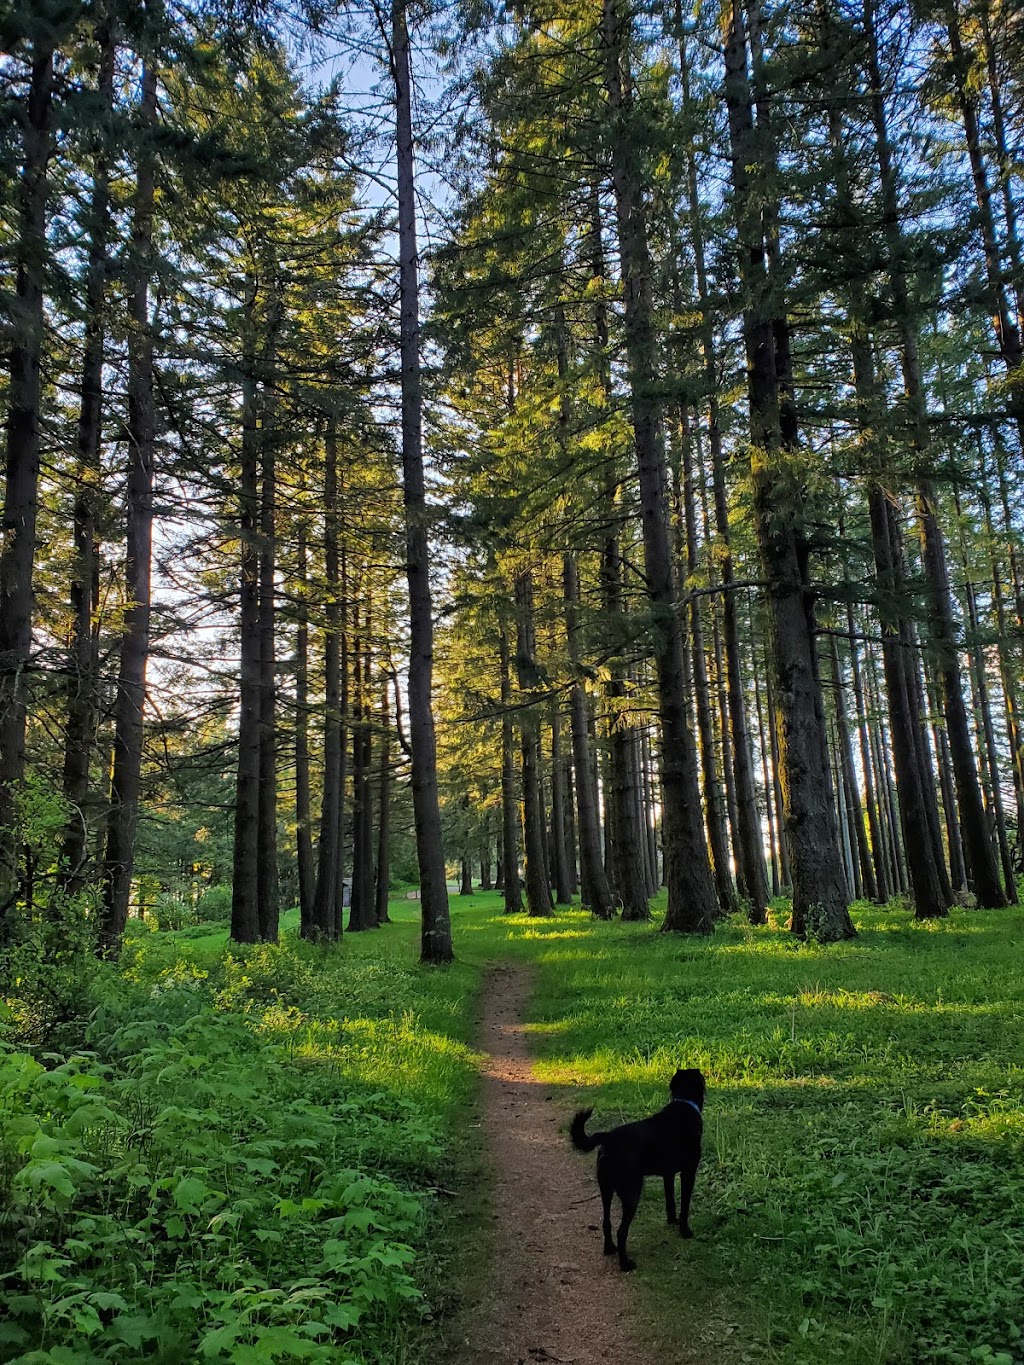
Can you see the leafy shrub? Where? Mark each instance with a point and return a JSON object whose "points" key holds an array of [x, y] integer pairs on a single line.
{"points": [[214, 905], [226, 1174], [49, 971], [173, 911]]}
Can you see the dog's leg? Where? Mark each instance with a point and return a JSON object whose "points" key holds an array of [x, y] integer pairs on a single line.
{"points": [[687, 1176], [607, 1190], [670, 1199], [629, 1196]]}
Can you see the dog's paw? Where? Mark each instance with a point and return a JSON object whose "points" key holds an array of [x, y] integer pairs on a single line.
{"points": [[627, 1266], [685, 1231], [609, 1249]]}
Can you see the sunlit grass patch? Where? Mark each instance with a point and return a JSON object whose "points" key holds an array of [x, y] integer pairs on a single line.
{"points": [[863, 1192]]}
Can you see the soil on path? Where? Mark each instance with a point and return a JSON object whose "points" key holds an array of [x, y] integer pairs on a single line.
{"points": [[552, 1297]]}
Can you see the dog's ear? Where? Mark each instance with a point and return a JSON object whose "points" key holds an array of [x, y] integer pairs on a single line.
{"points": [[688, 1082]]}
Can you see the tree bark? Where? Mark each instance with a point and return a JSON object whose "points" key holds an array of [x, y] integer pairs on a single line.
{"points": [[978, 849], [17, 552], [325, 918], [266, 843], [245, 923], [559, 852], [623, 850], [129, 704], [383, 882], [864, 744], [819, 886], [1007, 673], [510, 884], [596, 893], [983, 709], [362, 906], [749, 844], [83, 699], [714, 815], [538, 892], [765, 732], [692, 902], [1008, 337], [436, 931], [855, 813], [303, 817]]}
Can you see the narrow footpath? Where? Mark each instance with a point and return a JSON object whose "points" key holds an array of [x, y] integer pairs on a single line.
{"points": [[551, 1296]]}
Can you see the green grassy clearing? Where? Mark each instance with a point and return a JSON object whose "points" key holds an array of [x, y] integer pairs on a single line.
{"points": [[862, 1198], [243, 1166]]}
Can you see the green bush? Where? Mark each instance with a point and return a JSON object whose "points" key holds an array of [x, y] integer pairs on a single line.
{"points": [[214, 905], [49, 970], [235, 1169], [173, 911]]}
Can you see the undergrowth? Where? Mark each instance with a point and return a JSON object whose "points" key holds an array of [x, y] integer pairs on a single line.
{"points": [[238, 1164], [249, 1156]]}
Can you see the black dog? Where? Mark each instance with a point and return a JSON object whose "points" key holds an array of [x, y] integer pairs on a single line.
{"points": [[667, 1142]]}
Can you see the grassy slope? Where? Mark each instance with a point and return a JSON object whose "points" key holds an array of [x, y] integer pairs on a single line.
{"points": [[861, 1200]]}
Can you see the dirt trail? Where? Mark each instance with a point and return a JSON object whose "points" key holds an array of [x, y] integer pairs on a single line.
{"points": [[552, 1296]]}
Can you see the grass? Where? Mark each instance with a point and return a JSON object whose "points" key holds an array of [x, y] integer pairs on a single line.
{"points": [[861, 1200]]}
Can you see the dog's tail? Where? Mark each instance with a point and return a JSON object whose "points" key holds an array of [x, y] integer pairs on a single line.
{"points": [[581, 1139]]}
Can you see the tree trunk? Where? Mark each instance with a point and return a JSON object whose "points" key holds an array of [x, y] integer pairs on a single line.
{"points": [[303, 817], [266, 845], [436, 930], [692, 903], [245, 923], [325, 920], [819, 886], [596, 893], [362, 906], [983, 708], [83, 699], [978, 848], [486, 877], [18, 547], [570, 823], [383, 882], [1008, 337], [510, 883], [624, 851], [785, 868], [648, 791], [130, 701], [559, 852], [714, 815], [913, 771], [864, 744], [749, 844], [1007, 673], [1004, 160], [538, 892], [855, 813], [930, 890], [764, 732]]}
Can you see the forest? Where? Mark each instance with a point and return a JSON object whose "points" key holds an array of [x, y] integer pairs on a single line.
{"points": [[509, 494]]}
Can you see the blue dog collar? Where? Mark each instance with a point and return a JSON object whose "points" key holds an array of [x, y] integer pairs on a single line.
{"points": [[692, 1103]]}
